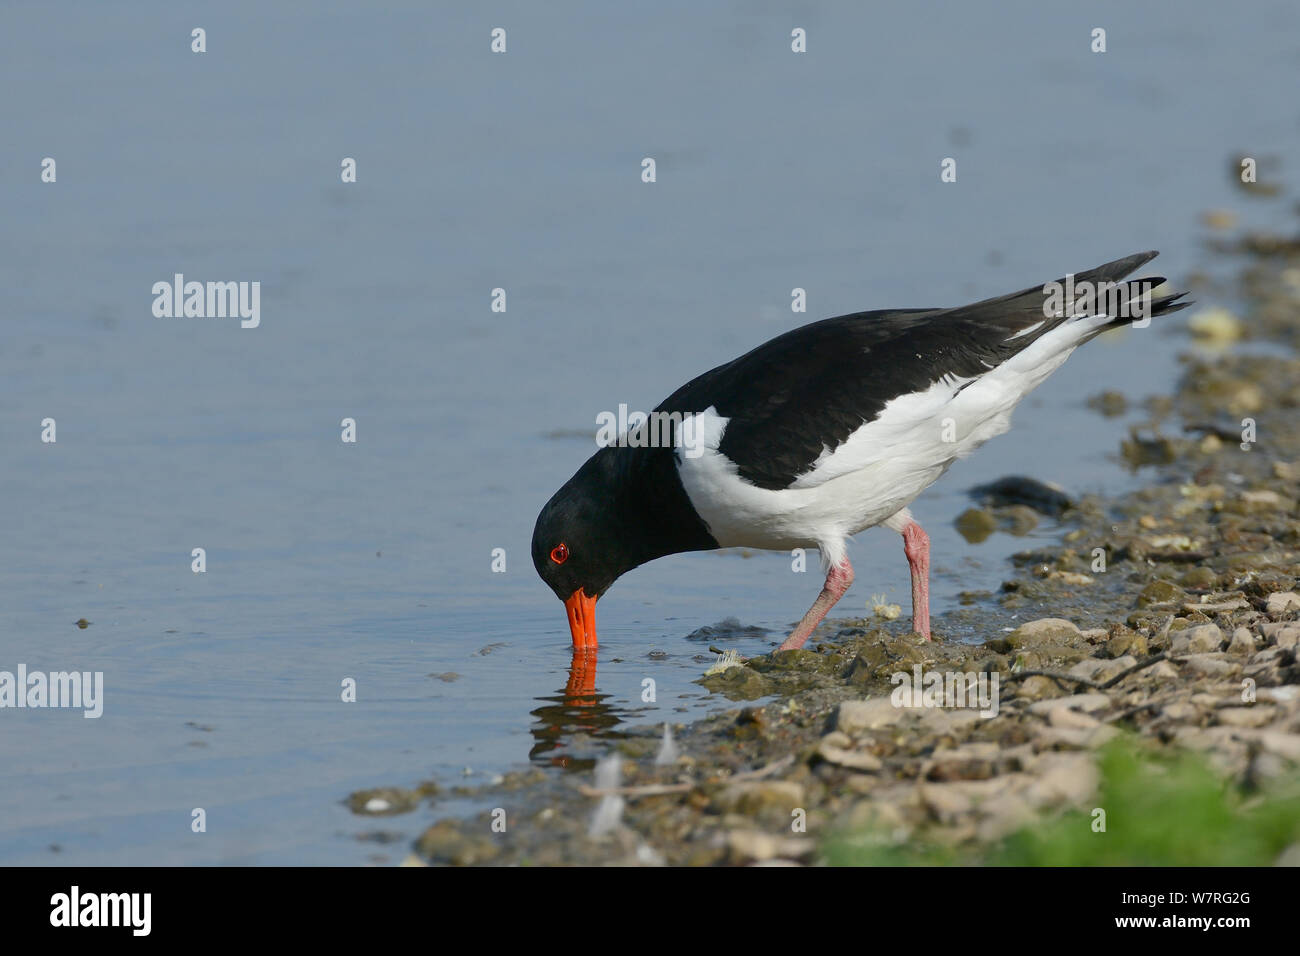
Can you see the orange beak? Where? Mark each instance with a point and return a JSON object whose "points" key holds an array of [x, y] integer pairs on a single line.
{"points": [[582, 619]]}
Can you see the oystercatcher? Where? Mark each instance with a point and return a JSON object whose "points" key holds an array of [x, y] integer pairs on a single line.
{"points": [[820, 433]]}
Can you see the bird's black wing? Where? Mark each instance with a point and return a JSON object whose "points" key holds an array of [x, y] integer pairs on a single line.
{"points": [[811, 388]]}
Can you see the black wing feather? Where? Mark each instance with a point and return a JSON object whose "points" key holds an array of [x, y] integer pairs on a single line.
{"points": [[811, 388]]}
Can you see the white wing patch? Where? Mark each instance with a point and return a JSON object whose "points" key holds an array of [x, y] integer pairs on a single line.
{"points": [[1025, 331]]}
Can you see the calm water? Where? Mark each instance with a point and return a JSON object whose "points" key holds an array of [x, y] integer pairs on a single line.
{"points": [[372, 561]]}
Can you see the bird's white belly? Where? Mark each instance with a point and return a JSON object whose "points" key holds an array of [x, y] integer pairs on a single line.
{"points": [[740, 514]]}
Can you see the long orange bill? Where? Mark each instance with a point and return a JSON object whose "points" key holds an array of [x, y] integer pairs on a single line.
{"points": [[582, 619]]}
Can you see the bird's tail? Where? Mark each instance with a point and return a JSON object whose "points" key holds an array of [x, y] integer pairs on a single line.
{"points": [[1100, 293], [1092, 301]]}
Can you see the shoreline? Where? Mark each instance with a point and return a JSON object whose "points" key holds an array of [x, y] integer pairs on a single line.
{"points": [[1158, 646]]}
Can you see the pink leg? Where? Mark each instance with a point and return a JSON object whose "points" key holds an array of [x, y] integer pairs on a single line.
{"points": [[916, 545], [837, 582]]}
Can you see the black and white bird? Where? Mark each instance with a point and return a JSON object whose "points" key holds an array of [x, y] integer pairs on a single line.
{"points": [[820, 433]]}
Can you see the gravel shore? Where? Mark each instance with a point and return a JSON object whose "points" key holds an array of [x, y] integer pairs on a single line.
{"points": [[1158, 651]]}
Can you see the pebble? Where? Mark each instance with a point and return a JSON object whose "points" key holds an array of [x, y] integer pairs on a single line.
{"points": [[445, 842], [1201, 639], [1039, 688], [1073, 738], [1089, 703], [1162, 671], [1245, 716], [947, 802], [1047, 630], [1062, 779], [835, 748], [1282, 602], [746, 845], [856, 716], [1127, 642], [1242, 643], [1215, 326], [1101, 671], [754, 796], [1160, 592], [1065, 717], [1210, 665], [1284, 745]]}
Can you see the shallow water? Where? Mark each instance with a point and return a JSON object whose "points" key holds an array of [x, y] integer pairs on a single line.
{"points": [[372, 561]]}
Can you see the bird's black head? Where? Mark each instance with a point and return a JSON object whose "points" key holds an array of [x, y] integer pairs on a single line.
{"points": [[624, 507], [576, 548], [570, 547]]}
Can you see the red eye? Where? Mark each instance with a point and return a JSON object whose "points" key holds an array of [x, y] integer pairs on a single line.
{"points": [[560, 553]]}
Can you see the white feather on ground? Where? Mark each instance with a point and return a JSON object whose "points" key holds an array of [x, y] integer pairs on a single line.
{"points": [[668, 752], [609, 812]]}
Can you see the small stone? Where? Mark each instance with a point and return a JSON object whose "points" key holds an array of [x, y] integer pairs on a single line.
{"points": [[754, 796], [738, 683], [1287, 637], [1284, 745], [1162, 671], [384, 801], [856, 716], [976, 761], [1264, 499], [445, 842], [1199, 577], [1071, 578], [1201, 639], [1219, 218], [1287, 695], [1257, 716], [1087, 703], [1282, 602], [1018, 520], [1270, 655], [1242, 643], [1206, 608], [1047, 630], [1180, 711], [1126, 642], [946, 801], [1073, 738], [746, 845], [835, 748], [1110, 403], [1215, 325], [975, 525], [1065, 717], [1039, 688], [1209, 665], [1063, 779], [1287, 470], [1099, 670], [1160, 592]]}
